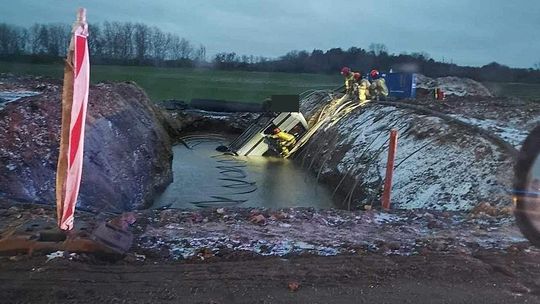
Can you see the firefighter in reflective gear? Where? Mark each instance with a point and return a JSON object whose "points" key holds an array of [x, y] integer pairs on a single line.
{"points": [[284, 140], [378, 89], [349, 79], [362, 87]]}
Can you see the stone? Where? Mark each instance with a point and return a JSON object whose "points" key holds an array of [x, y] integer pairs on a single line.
{"points": [[258, 219], [293, 286]]}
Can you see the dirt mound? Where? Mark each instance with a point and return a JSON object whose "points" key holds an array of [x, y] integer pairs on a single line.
{"points": [[439, 165], [127, 150], [453, 86]]}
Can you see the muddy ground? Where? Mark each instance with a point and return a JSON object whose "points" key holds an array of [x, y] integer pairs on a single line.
{"points": [[239, 256], [292, 255], [485, 277]]}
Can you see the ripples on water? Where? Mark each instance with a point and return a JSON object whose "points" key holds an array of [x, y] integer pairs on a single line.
{"points": [[204, 177]]}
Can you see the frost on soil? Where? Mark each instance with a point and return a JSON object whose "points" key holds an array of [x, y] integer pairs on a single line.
{"points": [[508, 131], [438, 165], [453, 86], [180, 234]]}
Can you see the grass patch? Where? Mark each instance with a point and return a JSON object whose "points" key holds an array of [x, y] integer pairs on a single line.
{"points": [[185, 84]]}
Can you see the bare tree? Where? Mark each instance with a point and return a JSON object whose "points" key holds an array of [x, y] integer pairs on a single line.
{"points": [[141, 39], [125, 40], [23, 38], [420, 55], [12, 39], [34, 40], [109, 36], [160, 44], [185, 48], [378, 49], [200, 54], [43, 38], [58, 39], [180, 48], [5, 39], [117, 42], [95, 40], [51, 39], [537, 65], [174, 42]]}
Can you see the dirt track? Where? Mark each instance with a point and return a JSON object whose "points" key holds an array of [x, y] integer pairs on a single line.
{"points": [[482, 278]]}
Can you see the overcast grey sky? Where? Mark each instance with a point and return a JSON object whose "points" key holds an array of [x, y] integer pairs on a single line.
{"points": [[468, 32]]}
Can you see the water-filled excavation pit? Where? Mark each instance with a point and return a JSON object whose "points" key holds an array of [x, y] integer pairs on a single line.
{"points": [[204, 177]]}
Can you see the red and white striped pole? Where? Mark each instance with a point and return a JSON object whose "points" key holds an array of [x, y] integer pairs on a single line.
{"points": [[392, 148], [74, 106]]}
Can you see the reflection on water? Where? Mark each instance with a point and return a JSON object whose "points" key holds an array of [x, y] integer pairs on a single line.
{"points": [[204, 177]]}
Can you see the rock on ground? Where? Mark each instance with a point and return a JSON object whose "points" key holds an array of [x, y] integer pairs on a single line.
{"points": [[128, 153]]}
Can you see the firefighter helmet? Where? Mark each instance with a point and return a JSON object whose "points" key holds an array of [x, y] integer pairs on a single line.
{"points": [[345, 71], [374, 74]]}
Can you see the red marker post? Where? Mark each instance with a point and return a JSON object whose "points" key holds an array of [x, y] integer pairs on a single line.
{"points": [[392, 148], [74, 108]]}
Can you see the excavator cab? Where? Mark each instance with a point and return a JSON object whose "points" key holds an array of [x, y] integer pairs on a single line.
{"points": [[252, 142]]}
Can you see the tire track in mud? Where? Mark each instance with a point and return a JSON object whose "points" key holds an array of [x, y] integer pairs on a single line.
{"points": [[432, 278]]}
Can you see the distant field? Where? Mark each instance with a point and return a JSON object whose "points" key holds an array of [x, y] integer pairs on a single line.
{"points": [[523, 90], [185, 84]]}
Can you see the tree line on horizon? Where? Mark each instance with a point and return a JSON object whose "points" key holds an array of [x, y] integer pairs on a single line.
{"points": [[122, 43], [127, 43]]}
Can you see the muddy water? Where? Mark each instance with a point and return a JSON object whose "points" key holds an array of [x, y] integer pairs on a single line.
{"points": [[204, 177]]}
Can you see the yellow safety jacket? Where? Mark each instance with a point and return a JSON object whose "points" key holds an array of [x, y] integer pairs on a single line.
{"points": [[349, 82], [283, 136], [363, 90], [379, 88]]}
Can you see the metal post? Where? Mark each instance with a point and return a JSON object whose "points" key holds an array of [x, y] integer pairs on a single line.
{"points": [[392, 148]]}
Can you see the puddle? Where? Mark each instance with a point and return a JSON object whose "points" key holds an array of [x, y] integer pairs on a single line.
{"points": [[9, 96], [204, 177]]}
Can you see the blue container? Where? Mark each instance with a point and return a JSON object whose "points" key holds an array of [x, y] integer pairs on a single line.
{"points": [[401, 85]]}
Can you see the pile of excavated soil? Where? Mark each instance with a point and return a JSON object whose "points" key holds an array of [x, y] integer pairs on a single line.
{"points": [[439, 164], [453, 86], [127, 159], [509, 118]]}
